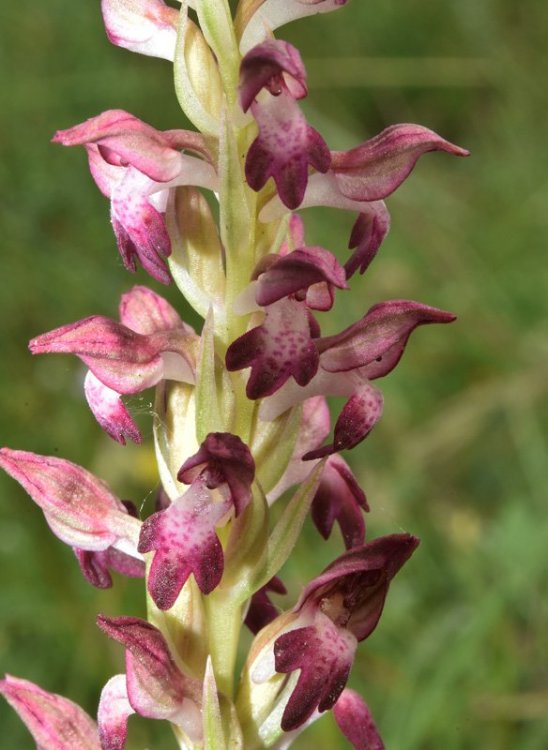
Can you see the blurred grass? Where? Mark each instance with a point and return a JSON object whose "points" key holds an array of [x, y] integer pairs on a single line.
{"points": [[460, 658]]}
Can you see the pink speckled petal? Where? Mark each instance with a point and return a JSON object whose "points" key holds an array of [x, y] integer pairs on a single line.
{"points": [[222, 458], [280, 348], [339, 498], [79, 508], [184, 542], [113, 713], [284, 148], [354, 718], [368, 233], [139, 228], [377, 167], [109, 410], [296, 272], [148, 27], [275, 65], [377, 341], [55, 722], [324, 654]]}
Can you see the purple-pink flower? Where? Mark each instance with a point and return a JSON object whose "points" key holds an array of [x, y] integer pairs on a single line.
{"points": [[135, 166]]}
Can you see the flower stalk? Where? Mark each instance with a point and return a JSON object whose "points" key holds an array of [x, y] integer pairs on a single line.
{"points": [[241, 416]]}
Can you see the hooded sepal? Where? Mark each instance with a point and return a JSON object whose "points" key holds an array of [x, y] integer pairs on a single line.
{"points": [[375, 169], [55, 722], [354, 718], [79, 508], [145, 26], [156, 687], [375, 344], [222, 458]]}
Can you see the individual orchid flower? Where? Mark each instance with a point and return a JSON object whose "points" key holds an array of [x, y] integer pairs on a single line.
{"points": [[145, 26], [272, 79], [55, 723], [283, 345], [337, 610], [183, 536], [150, 344], [135, 166], [366, 350], [153, 685], [256, 19]]}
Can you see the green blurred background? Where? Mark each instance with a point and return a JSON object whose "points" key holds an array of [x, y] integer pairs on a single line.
{"points": [[460, 659]]}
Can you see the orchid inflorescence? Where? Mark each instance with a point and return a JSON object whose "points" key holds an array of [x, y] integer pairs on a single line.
{"points": [[241, 419]]}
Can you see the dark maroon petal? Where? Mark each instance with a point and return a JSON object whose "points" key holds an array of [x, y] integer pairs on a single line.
{"points": [[339, 498], [184, 541], [280, 348], [222, 458], [377, 341], [261, 610], [359, 415], [298, 270], [368, 232], [324, 654], [377, 167], [152, 261], [264, 66], [353, 588], [354, 718]]}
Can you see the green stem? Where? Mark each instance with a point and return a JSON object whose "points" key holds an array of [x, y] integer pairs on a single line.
{"points": [[224, 622]]}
